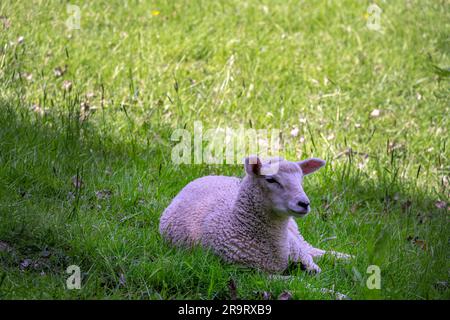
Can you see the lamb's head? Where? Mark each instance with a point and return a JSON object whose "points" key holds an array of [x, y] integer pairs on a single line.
{"points": [[281, 182]]}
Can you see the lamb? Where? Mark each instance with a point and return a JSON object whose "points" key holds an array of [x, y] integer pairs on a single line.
{"points": [[247, 221]]}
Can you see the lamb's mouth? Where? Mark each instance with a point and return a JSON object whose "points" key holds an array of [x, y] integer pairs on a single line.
{"points": [[299, 213]]}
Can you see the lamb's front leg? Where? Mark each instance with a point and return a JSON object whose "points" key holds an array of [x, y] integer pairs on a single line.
{"points": [[301, 254], [301, 251], [316, 252]]}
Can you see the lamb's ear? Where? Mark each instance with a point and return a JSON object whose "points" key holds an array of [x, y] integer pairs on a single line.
{"points": [[310, 165], [253, 165]]}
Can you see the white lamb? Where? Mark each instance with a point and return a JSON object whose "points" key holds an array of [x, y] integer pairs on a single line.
{"points": [[247, 221]]}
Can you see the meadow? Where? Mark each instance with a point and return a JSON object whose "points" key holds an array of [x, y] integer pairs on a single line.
{"points": [[87, 112]]}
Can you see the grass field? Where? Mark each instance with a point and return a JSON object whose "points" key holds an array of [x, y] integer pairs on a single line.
{"points": [[101, 102]]}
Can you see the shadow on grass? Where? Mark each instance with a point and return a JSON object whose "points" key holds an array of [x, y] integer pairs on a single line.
{"points": [[46, 221]]}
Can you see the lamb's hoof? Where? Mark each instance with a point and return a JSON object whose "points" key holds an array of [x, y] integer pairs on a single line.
{"points": [[312, 269]]}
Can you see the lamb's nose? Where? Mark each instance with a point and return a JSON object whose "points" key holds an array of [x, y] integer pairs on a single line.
{"points": [[304, 205]]}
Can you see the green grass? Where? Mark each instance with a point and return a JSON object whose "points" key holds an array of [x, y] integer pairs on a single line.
{"points": [[265, 64]]}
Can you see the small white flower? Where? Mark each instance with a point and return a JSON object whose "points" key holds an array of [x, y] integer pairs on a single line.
{"points": [[67, 85], [375, 113], [90, 95], [36, 108]]}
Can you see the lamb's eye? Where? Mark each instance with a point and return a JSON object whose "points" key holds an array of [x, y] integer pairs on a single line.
{"points": [[271, 180]]}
